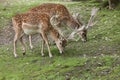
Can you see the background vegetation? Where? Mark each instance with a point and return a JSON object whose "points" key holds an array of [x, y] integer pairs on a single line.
{"points": [[97, 59]]}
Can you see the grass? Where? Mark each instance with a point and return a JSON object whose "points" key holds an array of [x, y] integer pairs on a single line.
{"points": [[97, 59]]}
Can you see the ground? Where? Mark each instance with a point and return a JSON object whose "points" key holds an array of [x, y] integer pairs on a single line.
{"points": [[97, 59]]}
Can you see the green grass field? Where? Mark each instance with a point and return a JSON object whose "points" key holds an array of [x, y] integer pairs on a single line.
{"points": [[97, 59]]}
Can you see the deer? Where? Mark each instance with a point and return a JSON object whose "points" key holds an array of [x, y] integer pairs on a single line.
{"points": [[60, 15], [36, 23]]}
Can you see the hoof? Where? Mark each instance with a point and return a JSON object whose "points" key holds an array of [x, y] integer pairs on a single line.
{"points": [[31, 47], [42, 55], [50, 56], [16, 56], [23, 53]]}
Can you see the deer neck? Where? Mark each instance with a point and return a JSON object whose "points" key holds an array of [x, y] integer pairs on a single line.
{"points": [[72, 23], [54, 34]]}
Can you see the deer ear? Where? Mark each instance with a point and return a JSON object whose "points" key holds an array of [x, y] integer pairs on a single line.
{"points": [[75, 15], [59, 36], [54, 20]]}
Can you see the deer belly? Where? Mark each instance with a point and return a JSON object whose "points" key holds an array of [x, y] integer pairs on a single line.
{"points": [[30, 29]]}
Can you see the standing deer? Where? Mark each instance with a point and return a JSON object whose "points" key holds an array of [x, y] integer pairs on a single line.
{"points": [[61, 15], [32, 23]]}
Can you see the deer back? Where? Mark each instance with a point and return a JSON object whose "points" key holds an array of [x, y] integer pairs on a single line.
{"points": [[33, 19], [51, 9], [57, 9]]}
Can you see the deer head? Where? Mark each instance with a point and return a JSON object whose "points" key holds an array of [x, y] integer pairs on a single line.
{"points": [[59, 40], [61, 43], [82, 31]]}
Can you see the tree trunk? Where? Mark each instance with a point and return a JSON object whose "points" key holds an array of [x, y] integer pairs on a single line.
{"points": [[110, 4]]}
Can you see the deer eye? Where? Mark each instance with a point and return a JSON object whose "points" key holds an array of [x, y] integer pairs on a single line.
{"points": [[60, 43], [83, 33]]}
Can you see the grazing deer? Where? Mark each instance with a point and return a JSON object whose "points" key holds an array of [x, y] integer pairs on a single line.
{"points": [[61, 15], [32, 23], [85, 27]]}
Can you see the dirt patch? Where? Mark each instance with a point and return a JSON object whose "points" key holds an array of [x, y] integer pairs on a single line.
{"points": [[6, 35]]}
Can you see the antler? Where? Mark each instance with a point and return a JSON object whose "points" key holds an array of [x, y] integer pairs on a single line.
{"points": [[72, 35], [77, 18], [93, 13]]}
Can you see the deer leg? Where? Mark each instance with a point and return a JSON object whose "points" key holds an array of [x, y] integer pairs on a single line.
{"points": [[47, 43], [14, 43], [16, 37], [30, 42], [42, 50], [23, 45]]}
